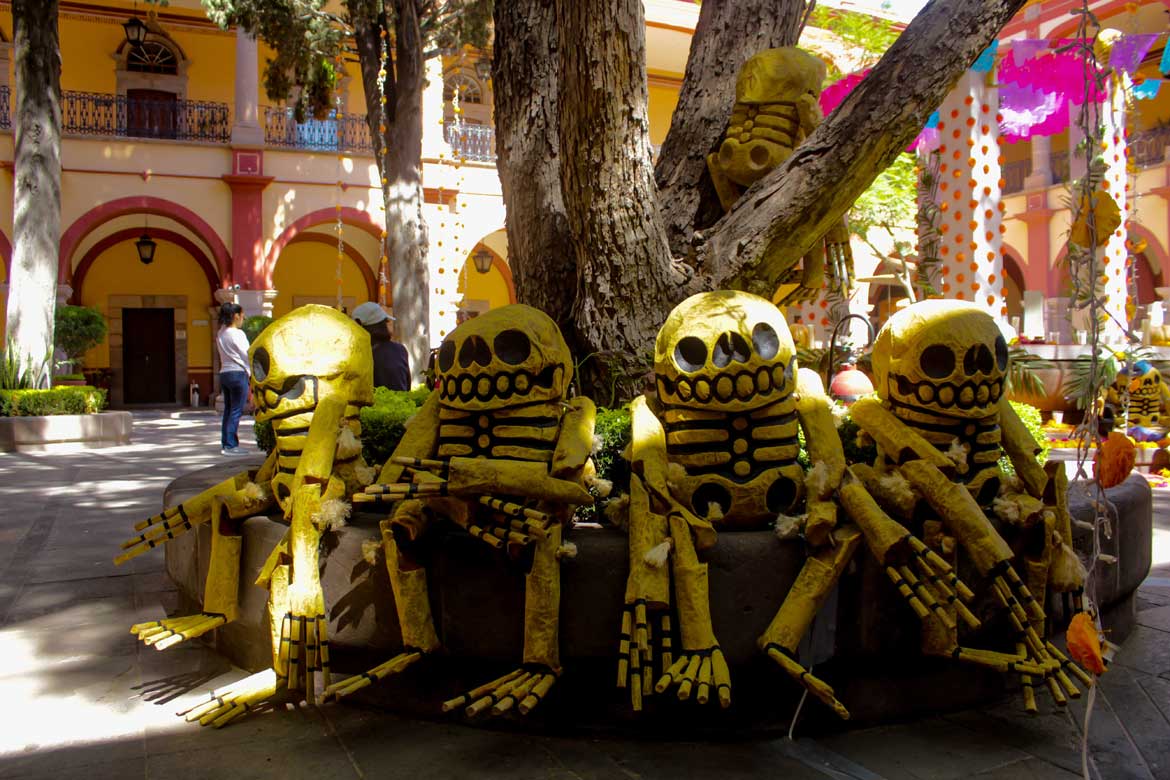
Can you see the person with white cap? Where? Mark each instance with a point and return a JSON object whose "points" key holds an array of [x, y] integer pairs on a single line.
{"points": [[391, 363]]}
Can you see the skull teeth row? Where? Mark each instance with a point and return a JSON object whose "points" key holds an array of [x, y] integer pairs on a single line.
{"points": [[740, 386], [485, 387], [947, 394]]}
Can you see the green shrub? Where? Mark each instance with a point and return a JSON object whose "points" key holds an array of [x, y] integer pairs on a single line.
{"points": [[69, 378], [77, 329], [253, 326], [382, 424], [58, 400], [15, 375]]}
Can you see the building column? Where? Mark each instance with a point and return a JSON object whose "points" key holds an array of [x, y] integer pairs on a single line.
{"points": [[971, 195], [1115, 253], [249, 278], [247, 129], [1041, 175]]}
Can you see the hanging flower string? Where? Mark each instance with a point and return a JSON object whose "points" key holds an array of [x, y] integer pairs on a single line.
{"points": [[340, 189], [384, 260]]}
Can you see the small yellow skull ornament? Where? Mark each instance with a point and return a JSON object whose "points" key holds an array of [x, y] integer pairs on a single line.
{"points": [[499, 449], [725, 367]]}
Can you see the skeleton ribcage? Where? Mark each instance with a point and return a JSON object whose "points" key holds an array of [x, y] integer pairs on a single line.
{"points": [[980, 438], [292, 432], [775, 122], [745, 463], [1145, 408]]}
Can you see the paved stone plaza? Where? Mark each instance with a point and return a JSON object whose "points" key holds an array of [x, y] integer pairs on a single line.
{"points": [[83, 699]]}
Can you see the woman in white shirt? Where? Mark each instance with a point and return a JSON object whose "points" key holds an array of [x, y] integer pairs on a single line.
{"points": [[234, 371]]}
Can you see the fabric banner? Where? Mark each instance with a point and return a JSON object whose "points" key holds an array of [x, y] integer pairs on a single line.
{"points": [[986, 61], [1129, 51], [1028, 112], [1147, 90]]}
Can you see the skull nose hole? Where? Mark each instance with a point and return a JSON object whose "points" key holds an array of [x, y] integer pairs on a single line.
{"points": [[474, 350], [978, 359], [729, 347], [1001, 353]]}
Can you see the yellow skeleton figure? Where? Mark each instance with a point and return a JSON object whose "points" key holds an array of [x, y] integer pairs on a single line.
{"points": [[941, 422], [776, 108], [718, 448], [311, 374], [1148, 395], [498, 449]]}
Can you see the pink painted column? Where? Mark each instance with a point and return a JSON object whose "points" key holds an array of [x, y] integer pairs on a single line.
{"points": [[247, 182], [971, 195], [1038, 271]]}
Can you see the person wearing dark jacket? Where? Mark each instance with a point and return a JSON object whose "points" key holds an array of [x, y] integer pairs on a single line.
{"points": [[391, 363]]}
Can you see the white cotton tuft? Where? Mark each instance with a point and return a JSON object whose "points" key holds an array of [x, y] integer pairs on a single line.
{"points": [[597, 444], [656, 556], [332, 514], [567, 550], [348, 445], [863, 439], [370, 550], [788, 526], [675, 472], [1009, 483], [603, 486], [897, 486], [365, 474], [617, 512], [817, 480], [840, 414], [714, 512], [1006, 509], [254, 492], [957, 453]]}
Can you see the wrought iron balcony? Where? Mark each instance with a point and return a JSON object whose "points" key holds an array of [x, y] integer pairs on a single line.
{"points": [[1014, 174], [131, 116], [472, 142], [346, 133]]}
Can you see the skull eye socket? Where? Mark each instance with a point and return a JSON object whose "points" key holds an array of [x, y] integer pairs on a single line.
{"points": [[765, 340], [1001, 353], [690, 354], [512, 347], [447, 355], [937, 361], [729, 347], [260, 364]]}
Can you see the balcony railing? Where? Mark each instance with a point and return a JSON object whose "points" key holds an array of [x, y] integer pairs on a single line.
{"points": [[1014, 174], [473, 142], [5, 111], [346, 133], [1149, 146], [122, 116]]}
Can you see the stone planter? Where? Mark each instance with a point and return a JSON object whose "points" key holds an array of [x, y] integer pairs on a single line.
{"points": [[64, 431], [865, 641]]}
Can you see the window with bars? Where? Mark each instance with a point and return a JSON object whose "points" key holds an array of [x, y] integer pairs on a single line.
{"points": [[465, 86], [152, 57]]}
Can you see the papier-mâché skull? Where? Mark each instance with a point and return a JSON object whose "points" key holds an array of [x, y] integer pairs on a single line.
{"points": [[510, 356], [772, 91], [308, 354], [724, 350], [943, 357]]}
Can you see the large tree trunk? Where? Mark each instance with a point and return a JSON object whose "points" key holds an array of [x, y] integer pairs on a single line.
{"points": [[624, 269], [525, 82], [406, 240], [727, 34], [32, 291], [784, 214]]}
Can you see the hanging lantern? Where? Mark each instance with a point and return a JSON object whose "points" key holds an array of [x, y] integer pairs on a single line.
{"points": [[146, 246], [135, 31], [849, 384]]}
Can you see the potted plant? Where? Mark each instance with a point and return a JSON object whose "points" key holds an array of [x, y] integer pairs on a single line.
{"points": [[76, 329]]}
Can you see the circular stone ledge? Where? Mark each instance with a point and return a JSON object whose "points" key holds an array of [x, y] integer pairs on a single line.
{"points": [[60, 432], [865, 641]]}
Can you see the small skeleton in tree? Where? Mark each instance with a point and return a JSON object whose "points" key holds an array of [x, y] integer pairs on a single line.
{"points": [[311, 374], [776, 108], [499, 449]]}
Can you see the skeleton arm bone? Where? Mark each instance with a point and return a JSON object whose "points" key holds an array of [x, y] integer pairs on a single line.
{"points": [[825, 452], [1022, 449], [897, 441], [575, 441]]}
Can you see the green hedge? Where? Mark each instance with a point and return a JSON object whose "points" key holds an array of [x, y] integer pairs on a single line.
{"points": [[81, 399]]}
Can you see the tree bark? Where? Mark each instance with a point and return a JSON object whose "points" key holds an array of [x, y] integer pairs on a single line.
{"points": [[727, 34], [624, 270], [32, 292], [402, 188], [784, 214], [525, 81]]}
